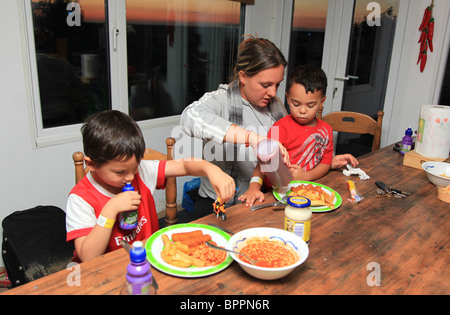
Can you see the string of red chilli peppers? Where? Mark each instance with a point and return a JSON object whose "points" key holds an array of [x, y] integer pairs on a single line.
{"points": [[426, 36]]}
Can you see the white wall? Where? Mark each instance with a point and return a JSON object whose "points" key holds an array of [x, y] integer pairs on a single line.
{"points": [[413, 88], [32, 177]]}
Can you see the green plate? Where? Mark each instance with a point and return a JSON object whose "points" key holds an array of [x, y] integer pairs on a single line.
{"points": [[154, 247], [281, 192]]}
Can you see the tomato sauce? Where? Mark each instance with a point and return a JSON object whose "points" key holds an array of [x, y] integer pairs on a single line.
{"points": [[268, 254], [210, 255]]}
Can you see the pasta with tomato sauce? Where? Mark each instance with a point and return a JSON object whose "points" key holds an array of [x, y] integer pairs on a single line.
{"points": [[269, 254]]}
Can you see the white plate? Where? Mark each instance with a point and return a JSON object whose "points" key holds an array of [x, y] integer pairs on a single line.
{"points": [[154, 247], [281, 192]]}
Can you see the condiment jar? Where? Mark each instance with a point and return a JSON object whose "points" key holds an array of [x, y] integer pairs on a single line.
{"points": [[297, 217]]}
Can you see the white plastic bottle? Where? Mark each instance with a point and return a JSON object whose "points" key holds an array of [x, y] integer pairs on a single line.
{"points": [[272, 163], [297, 217]]}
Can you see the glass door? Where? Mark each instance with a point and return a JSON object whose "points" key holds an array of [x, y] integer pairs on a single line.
{"points": [[308, 33], [359, 39]]}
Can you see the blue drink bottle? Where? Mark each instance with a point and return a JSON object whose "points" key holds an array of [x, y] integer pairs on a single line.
{"points": [[139, 275], [128, 219]]}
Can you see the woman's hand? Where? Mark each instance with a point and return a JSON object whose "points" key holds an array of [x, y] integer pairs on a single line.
{"points": [[283, 150]]}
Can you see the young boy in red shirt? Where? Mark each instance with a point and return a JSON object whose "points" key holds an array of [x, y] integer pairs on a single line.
{"points": [[114, 146], [308, 140]]}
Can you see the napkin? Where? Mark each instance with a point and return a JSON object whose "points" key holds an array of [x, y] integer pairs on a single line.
{"points": [[355, 171]]}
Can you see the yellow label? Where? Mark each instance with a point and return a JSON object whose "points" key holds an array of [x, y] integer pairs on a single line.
{"points": [[299, 228]]}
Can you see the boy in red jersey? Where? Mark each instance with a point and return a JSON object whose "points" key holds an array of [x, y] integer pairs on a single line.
{"points": [[308, 140], [114, 146]]}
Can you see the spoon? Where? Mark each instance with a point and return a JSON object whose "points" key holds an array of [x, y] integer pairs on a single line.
{"points": [[253, 262], [282, 202]]}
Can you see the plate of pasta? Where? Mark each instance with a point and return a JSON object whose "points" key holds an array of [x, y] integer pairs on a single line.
{"points": [[179, 250], [323, 198]]}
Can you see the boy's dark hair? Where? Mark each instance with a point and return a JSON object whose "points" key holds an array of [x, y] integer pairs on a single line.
{"points": [[311, 77], [111, 135]]}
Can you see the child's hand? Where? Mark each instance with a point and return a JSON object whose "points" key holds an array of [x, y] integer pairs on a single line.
{"points": [[285, 154], [297, 172], [125, 201], [223, 185], [342, 160], [252, 195]]}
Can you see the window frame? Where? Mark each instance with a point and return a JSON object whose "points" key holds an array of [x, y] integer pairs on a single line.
{"points": [[115, 19]]}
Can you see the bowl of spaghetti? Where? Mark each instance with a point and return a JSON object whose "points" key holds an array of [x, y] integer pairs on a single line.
{"points": [[277, 252]]}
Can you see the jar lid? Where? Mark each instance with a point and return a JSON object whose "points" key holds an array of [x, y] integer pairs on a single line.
{"points": [[299, 202]]}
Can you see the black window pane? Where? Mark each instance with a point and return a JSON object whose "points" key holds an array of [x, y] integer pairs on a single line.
{"points": [[72, 60], [177, 51]]}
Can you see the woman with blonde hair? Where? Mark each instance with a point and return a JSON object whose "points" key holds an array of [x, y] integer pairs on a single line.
{"points": [[233, 119], [238, 115]]}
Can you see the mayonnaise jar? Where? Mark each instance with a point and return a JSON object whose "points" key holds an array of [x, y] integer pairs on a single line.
{"points": [[297, 217]]}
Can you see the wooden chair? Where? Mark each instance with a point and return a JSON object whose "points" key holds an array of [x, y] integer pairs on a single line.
{"points": [[150, 154], [353, 122]]}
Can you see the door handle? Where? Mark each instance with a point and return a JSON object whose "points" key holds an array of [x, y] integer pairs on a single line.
{"points": [[115, 35], [347, 78]]}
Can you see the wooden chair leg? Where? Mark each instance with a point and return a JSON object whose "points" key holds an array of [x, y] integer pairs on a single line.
{"points": [[171, 188]]}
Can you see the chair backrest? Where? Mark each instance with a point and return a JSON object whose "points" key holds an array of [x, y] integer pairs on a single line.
{"points": [[353, 122], [150, 154]]}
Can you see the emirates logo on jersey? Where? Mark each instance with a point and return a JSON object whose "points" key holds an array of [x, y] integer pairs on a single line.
{"points": [[130, 237]]}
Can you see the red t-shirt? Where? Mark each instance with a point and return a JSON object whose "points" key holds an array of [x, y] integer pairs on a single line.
{"points": [[79, 225], [307, 146]]}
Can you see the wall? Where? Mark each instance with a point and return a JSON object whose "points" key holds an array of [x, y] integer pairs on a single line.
{"points": [[412, 89]]}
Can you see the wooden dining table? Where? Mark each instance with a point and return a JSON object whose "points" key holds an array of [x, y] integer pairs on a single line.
{"points": [[379, 246]]}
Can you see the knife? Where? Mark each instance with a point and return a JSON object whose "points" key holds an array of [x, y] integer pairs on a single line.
{"points": [[274, 204], [221, 228], [391, 190]]}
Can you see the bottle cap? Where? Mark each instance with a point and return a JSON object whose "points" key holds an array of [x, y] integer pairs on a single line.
{"points": [[299, 202], [128, 187], [137, 253]]}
